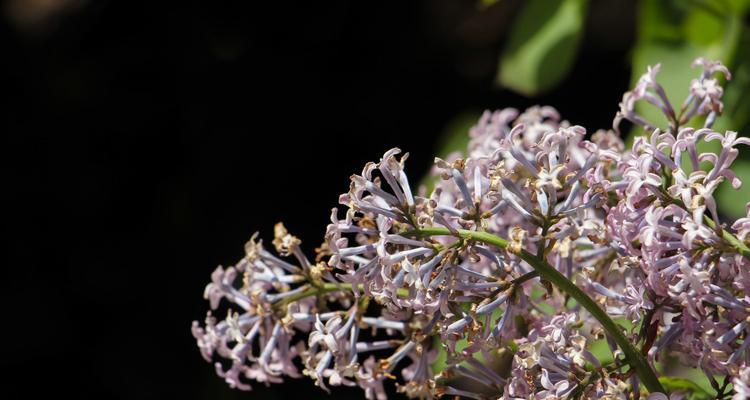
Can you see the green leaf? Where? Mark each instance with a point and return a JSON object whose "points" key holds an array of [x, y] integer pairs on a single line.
{"points": [[600, 349], [732, 202], [454, 138], [737, 117], [542, 47], [455, 135], [694, 391], [487, 3], [441, 360], [736, 95]]}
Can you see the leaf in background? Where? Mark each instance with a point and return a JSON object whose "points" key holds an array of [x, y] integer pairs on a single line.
{"points": [[441, 361], [600, 349], [732, 202], [693, 391], [487, 3], [455, 137], [737, 118], [542, 46], [736, 95]]}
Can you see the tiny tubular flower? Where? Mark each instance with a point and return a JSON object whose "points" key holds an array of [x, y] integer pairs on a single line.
{"points": [[475, 270]]}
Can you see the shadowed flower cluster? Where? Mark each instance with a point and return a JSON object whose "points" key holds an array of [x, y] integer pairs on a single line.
{"points": [[537, 242]]}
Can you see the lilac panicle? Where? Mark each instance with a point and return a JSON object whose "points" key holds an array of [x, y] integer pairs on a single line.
{"points": [[638, 229]]}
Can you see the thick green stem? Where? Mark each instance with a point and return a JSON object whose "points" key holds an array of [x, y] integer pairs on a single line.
{"points": [[634, 357]]}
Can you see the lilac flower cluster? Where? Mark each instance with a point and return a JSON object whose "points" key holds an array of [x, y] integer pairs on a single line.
{"points": [[530, 246]]}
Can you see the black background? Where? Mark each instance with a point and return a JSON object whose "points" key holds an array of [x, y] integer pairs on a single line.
{"points": [[145, 142]]}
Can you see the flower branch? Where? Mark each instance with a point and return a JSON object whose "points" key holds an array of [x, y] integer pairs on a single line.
{"points": [[632, 354]]}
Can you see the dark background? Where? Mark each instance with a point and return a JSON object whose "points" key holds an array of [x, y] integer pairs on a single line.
{"points": [[144, 142]]}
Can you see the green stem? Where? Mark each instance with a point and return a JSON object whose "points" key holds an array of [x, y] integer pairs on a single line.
{"points": [[729, 238], [732, 240], [328, 288], [546, 271], [525, 277], [581, 388]]}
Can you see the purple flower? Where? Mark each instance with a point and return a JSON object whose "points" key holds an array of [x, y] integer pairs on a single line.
{"points": [[741, 384], [405, 274]]}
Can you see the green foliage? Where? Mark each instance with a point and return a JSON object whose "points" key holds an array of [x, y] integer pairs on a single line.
{"points": [[600, 349], [686, 386], [737, 117], [543, 43], [454, 138], [487, 3], [732, 202]]}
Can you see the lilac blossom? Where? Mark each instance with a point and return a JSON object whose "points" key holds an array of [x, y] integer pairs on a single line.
{"points": [[638, 231], [741, 384]]}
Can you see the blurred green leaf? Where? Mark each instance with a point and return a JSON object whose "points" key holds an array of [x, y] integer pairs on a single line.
{"points": [[693, 391], [737, 94], [732, 202], [440, 361], [543, 44], [600, 349], [737, 117], [455, 135], [453, 138], [487, 3]]}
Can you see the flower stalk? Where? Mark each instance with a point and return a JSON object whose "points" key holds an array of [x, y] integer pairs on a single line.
{"points": [[632, 355], [325, 288]]}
